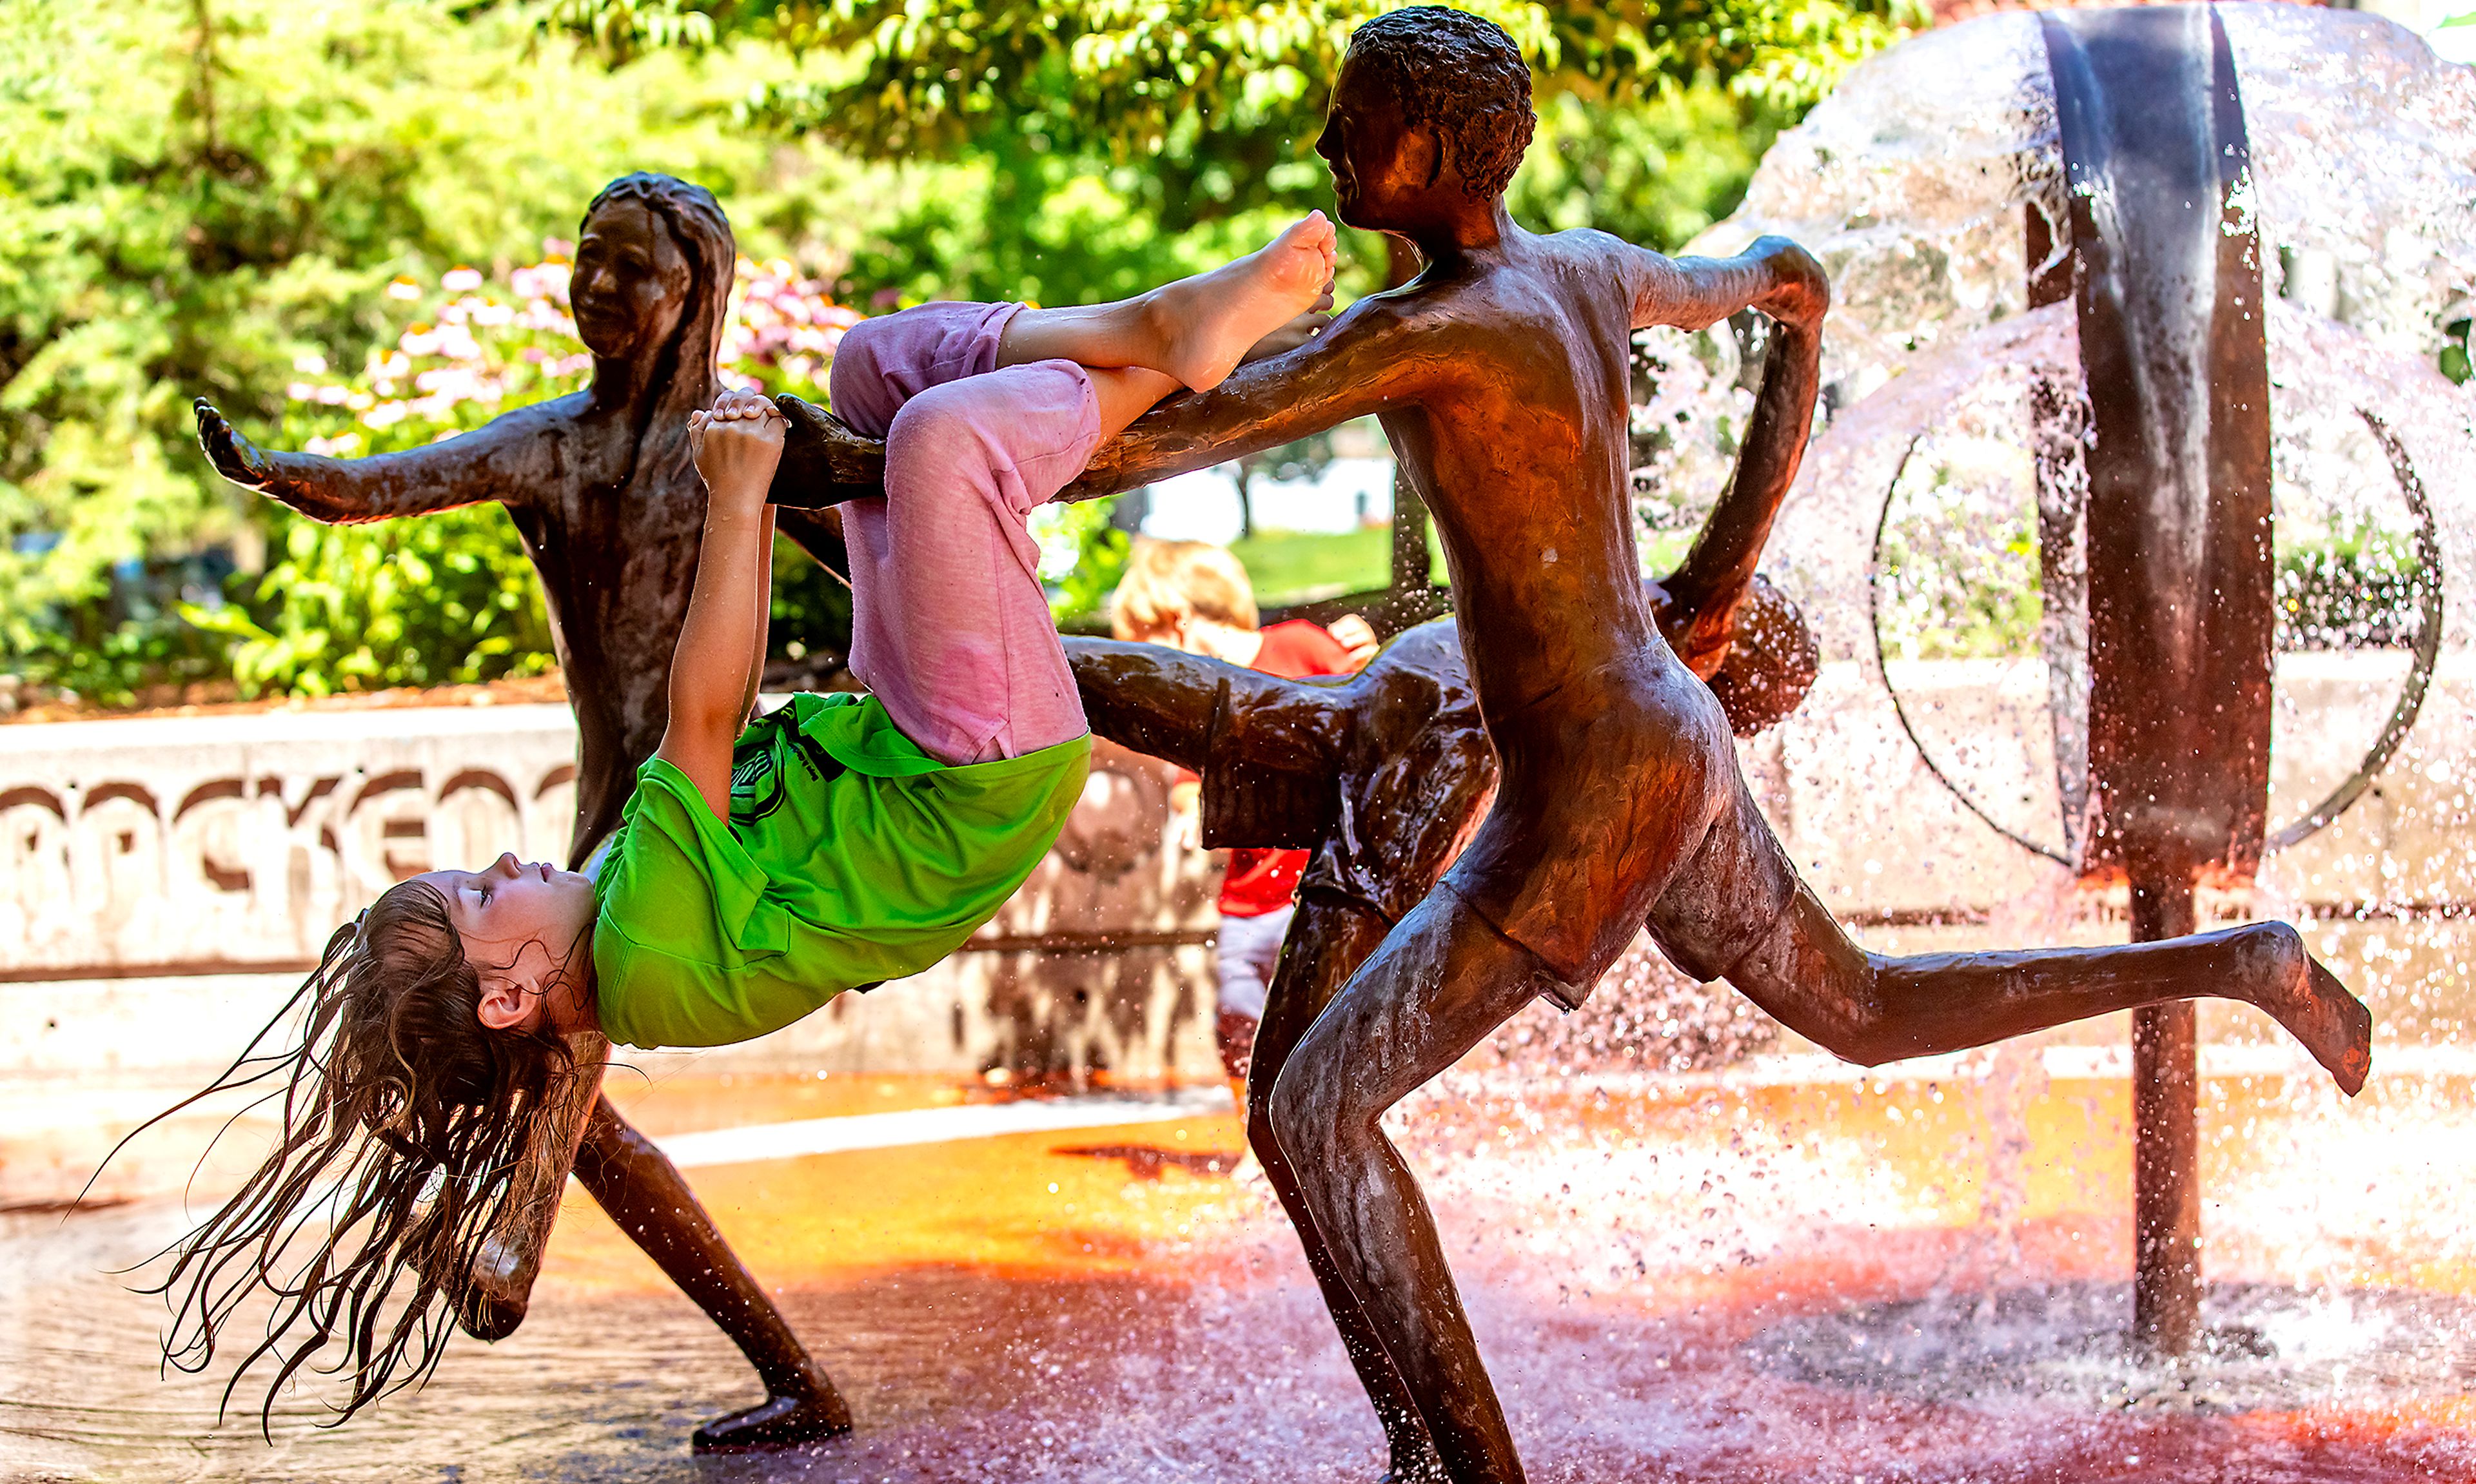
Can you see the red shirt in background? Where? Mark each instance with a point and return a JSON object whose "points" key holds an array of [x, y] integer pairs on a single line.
{"points": [[1265, 880]]}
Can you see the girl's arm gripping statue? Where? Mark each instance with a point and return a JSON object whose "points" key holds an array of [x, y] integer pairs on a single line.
{"points": [[713, 674]]}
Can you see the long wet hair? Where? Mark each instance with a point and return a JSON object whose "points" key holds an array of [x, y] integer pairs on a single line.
{"points": [[404, 1119]]}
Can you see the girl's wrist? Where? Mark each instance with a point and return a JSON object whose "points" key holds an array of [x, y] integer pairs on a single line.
{"points": [[736, 501]]}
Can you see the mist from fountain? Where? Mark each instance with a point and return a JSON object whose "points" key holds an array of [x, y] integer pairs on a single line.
{"points": [[1915, 183], [1693, 1248]]}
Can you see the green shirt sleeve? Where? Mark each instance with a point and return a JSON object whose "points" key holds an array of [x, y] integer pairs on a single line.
{"points": [[682, 906]]}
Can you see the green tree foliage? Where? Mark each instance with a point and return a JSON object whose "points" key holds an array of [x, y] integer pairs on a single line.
{"points": [[909, 78], [1108, 145], [195, 193], [200, 196]]}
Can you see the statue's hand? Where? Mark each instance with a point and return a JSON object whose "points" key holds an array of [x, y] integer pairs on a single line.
{"points": [[1297, 333], [824, 463], [1801, 292], [234, 457]]}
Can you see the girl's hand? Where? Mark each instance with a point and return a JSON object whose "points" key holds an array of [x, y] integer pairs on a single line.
{"points": [[737, 445]]}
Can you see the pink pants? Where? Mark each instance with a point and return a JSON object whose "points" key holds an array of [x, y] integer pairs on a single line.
{"points": [[950, 628]]}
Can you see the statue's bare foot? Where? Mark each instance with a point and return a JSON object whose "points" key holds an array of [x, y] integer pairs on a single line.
{"points": [[2314, 1006], [784, 1421], [1207, 323]]}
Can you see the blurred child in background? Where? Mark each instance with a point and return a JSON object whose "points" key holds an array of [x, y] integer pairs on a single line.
{"points": [[1195, 596]]}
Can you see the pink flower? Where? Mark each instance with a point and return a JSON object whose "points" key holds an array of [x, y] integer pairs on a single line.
{"points": [[461, 279]]}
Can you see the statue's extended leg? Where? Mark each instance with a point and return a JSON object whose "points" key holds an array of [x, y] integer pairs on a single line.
{"points": [[643, 1193], [1442, 981], [1736, 911], [1871, 1008], [1327, 943]]}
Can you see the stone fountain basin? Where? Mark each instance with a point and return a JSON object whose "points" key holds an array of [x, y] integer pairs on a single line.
{"points": [[1658, 1266]]}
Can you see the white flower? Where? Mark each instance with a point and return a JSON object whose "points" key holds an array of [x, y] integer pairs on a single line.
{"points": [[461, 279]]}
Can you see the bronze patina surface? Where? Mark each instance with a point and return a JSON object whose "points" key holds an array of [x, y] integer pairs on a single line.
{"points": [[600, 486], [1499, 375]]}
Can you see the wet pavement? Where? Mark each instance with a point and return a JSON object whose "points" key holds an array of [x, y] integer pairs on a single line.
{"points": [[1673, 1278]]}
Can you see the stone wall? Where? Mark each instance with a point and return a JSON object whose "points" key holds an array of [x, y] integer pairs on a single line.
{"points": [[168, 849], [225, 849]]}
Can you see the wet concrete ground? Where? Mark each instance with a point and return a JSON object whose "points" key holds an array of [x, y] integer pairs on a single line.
{"points": [[1643, 1258]]}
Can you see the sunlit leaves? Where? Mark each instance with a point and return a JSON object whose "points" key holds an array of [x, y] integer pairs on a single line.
{"points": [[915, 76]]}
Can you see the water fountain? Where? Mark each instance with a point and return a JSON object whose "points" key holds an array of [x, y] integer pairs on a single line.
{"points": [[1701, 1273], [2136, 500]]}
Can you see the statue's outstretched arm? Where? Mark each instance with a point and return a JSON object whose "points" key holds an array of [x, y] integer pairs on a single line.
{"points": [[514, 459], [1774, 277], [1779, 279], [1355, 368], [1270, 750]]}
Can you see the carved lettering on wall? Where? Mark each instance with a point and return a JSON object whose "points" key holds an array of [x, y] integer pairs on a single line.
{"points": [[250, 854]]}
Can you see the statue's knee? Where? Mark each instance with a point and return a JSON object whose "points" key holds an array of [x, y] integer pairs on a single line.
{"points": [[1305, 1114], [2273, 951], [1260, 1134]]}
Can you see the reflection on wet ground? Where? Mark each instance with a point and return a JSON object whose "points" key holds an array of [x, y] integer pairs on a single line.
{"points": [[1671, 1278]]}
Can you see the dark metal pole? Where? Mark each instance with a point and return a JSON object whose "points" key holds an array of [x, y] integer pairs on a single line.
{"points": [[2165, 1143], [2165, 276]]}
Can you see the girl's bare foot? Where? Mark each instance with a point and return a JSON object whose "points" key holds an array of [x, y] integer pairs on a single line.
{"points": [[2311, 1003], [1207, 323]]}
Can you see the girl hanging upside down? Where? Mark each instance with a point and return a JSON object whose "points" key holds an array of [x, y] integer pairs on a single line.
{"points": [[837, 842]]}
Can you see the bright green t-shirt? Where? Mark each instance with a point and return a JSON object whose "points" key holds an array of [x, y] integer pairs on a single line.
{"points": [[851, 857]]}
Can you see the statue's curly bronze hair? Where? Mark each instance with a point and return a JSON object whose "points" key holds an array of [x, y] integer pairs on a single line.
{"points": [[1460, 75], [404, 1119]]}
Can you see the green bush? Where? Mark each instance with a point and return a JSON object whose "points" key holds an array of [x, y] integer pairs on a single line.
{"points": [[204, 196], [447, 599], [197, 194]]}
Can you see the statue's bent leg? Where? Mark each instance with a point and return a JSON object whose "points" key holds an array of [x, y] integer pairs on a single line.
{"points": [[1327, 940], [1736, 911], [644, 1194], [1442, 981]]}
